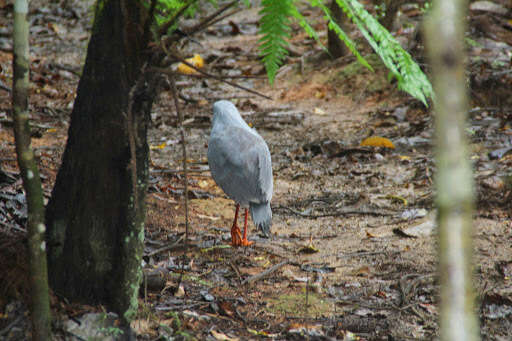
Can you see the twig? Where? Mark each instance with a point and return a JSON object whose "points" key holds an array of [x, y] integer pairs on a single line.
{"points": [[369, 253], [67, 68], [149, 20], [307, 292], [346, 211], [219, 78], [222, 17], [174, 171], [4, 87], [235, 269], [174, 91], [265, 273], [166, 247], [13, 226], [216, 247], [211, 19], [11, 325], [231, 77]]}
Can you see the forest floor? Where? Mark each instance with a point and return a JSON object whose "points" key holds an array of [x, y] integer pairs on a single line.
{"points": [[352, 254]]}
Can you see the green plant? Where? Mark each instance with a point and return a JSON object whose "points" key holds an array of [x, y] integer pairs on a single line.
{"points": [[275, 29], [111, 331], [471, 42], [275, 25], [167, 10]]}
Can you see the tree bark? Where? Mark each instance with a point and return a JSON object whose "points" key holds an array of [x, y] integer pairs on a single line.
{"points": [[40, 303], [454, 180], [96, 214], [335, 45]]}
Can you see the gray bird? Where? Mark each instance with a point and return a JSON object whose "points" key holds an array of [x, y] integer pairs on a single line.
{"points": [[240, 164]]}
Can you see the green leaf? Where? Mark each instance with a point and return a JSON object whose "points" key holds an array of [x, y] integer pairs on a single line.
{"points": [[305, 25], [407, 72], [275, 28], [341, 34]]}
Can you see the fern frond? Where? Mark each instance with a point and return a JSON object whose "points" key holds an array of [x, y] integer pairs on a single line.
{"points": [[306, 27], [331, 23], [275, 27], [408, 74]]}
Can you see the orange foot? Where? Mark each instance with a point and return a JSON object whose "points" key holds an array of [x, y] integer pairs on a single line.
{"points": [[236, 237]]}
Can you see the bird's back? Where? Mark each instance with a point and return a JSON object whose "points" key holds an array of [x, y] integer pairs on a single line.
{"points": [[238, 157]]}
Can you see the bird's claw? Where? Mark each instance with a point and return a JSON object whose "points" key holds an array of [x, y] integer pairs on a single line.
{"points": [[236, 237]]}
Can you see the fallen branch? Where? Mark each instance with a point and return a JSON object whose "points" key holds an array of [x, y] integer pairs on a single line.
{"points": [[265, 273]]}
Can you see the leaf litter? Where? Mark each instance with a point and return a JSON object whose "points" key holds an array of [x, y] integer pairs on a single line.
{"points": [[341, 263]]}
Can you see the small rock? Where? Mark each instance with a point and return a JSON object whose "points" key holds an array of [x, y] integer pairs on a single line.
{"points": [[207, 296]]}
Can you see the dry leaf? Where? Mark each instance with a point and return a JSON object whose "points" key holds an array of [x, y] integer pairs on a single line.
{"points": [[318, 111], [202, 216], [160, 146], [308, 249], [377, 141], [320, 94], [180, 292], [261, 333], [221, 336], [203, 184], [397, 198], [197, 61], [362, 271], [370, 235]]}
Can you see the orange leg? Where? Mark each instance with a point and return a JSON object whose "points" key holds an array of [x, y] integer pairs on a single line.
{"points": [[244, 241], [236, 236]]}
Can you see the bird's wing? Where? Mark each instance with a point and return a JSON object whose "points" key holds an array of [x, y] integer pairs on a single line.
{"points": [[265, 171], [240, 164]]}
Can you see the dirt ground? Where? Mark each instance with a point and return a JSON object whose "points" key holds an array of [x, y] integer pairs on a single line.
{"points": [[352, 254]]}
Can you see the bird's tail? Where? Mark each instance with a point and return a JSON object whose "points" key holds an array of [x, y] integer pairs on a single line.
{"points": [[262, 216]]}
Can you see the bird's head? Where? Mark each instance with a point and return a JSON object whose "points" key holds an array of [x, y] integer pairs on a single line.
{"points": [[225, 112]]}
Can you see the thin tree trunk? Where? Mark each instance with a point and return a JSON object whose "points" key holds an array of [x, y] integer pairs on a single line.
{"points": [[335, 45], [40, 303], [392, 7], [454, 181], [96, 214]]}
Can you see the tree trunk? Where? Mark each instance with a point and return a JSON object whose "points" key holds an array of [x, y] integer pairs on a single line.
{"points": [[392, 7], [454, 180], [40, 302], [335, 45], [96, 214]]}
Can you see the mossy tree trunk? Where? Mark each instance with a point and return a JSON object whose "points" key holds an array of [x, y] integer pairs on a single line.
{"points": [[96, 214], [40, 302], [454, 180]]}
